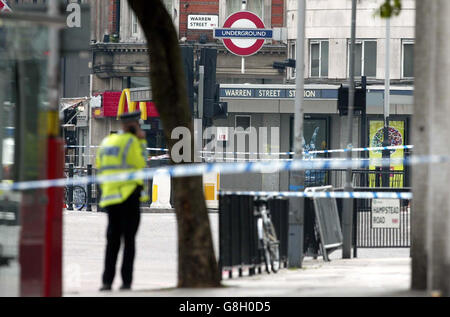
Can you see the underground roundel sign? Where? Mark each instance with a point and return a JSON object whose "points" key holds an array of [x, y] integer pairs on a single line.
{"points": [[243, 33]]}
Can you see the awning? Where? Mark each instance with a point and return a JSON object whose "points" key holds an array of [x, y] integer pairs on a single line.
{"points": [[66, 103]]}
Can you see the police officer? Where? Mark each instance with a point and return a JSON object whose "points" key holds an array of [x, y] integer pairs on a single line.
{"points": [[120, 153]]}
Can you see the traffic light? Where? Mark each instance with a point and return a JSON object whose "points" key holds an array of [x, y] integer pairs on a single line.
{"points": [[360, 99], [286, 63], [208, 59], [187, 53], [212, 107], [218, 110]]}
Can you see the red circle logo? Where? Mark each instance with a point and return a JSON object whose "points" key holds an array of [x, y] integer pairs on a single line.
{"points": [[243, 18]]}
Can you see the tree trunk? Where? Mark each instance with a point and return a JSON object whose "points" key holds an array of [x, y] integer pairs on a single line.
{"points": [[197, 265]]}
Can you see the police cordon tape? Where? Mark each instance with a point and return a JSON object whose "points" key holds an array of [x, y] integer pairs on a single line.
{"points": [[362, 149], [188, 170], [212, 158], [97, 146], [361, 195], [151, 158]]}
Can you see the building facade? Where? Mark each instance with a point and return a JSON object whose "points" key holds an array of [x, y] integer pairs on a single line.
{"points": [[120, 55], [262, 97], [327, 50], [327, 41]]}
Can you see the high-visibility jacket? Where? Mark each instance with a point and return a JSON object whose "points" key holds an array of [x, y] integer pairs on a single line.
{"points": [[120, 153]]}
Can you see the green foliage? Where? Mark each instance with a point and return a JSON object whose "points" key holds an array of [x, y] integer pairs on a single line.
{"points": [[390, 8]]}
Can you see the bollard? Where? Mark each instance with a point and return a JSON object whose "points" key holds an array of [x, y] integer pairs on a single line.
{"points": [[355, 227], [98, 194], [70, 189], [89, 189]]}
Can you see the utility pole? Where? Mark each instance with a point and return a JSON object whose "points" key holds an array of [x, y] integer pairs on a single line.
{"points": [[424, 97], [297, 178], [347, 217], [89, 118], [243, 8], [439, 111], [201, 90], [387, 87]]}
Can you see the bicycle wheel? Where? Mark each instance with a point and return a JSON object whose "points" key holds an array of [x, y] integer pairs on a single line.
{"points": [[79, 197], [66, 199], [273, 247], [262, 238], [267, 259], [274, 251]]}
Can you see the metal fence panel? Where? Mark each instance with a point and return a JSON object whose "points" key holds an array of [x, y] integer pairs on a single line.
{"points": [[367, 236], [238, 239]]}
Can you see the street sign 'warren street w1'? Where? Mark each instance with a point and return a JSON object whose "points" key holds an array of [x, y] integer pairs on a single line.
{"points": [[243, 33]]}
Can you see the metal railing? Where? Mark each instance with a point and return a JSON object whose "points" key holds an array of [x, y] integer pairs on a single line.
{"points": [[368, 234], [238, 239], [88, 196], [360, 178]]}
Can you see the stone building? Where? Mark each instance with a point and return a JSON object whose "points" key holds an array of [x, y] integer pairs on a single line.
{"points": [[263, 96], [120, 59], [327, 38]]}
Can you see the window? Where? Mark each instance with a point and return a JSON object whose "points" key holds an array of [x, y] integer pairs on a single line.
{"points": [[318, 55], [255, 6], [408, 59], [292, 55], [134, 25], [365, 58], [135, 82], [242, 124]]}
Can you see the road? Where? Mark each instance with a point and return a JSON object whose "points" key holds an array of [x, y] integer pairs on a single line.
{"points": [[156, 258]]}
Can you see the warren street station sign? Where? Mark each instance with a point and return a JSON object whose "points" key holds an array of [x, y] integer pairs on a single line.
{"points": [[276, 93]]}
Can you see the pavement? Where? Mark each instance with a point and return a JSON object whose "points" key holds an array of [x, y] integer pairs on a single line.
{"points": [[375, 273], [338, 278]]}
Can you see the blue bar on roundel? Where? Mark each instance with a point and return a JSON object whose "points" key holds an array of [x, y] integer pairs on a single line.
{"points": [[243, 33]]}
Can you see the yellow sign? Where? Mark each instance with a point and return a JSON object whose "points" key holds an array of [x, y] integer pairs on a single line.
{"points": [[131, 105], [397, 138]]}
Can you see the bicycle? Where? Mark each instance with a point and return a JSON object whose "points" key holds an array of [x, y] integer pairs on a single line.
{"points": [[267, 237], [79, 196]]}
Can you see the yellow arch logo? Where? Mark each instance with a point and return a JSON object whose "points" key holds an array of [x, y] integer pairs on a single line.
{"points": [[131, 105]]}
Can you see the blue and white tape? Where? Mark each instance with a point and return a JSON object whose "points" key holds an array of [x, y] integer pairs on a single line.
{"points": [[150, 158], [247, 153], [188, 170], [361, 149], [373, 161], [356, 195], [159, 157], [97, 146]]}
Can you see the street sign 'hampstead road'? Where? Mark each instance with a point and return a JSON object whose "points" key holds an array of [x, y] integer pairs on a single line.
{"points": [[243, 33]]}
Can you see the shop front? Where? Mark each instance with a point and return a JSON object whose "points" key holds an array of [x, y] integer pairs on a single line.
{"points": [[270, 108]]}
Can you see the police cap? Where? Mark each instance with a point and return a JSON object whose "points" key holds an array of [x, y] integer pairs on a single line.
{"points": [[130, 116]]}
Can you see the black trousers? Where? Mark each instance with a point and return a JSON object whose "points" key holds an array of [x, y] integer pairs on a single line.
{"points": [[123, 223]]}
